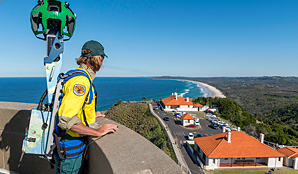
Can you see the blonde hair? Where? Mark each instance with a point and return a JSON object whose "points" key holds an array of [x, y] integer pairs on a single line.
{"points": [[93, 61]]}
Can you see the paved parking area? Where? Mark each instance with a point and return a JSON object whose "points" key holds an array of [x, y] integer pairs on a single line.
{"points": [[180, 133]]}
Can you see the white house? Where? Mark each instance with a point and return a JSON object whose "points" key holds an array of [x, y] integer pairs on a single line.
{"points": [[235, 149], [175, 102], [187, 119], [291, 159]]}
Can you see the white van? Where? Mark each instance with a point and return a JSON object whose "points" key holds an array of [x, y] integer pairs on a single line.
{"points": [[197, 122]]}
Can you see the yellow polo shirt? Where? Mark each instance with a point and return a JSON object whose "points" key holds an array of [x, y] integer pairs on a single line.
{"points": [[75, 91]]}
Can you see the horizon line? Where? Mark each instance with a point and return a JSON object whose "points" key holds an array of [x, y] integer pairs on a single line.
{"points": [[155, 76]]}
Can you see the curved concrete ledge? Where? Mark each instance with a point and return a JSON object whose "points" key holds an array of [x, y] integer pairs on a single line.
{"points": [[122, 152]]}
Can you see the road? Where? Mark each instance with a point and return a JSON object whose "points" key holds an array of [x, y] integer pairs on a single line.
{"points": [[180, 133]]}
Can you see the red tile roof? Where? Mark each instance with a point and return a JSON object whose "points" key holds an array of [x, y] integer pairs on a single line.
{"points": [[241, 146], [172, 101], [289, 151], [187, 117], [198, 105]]}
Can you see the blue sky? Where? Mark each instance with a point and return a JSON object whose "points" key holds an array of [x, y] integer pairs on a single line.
{"points": [[155, 38]]}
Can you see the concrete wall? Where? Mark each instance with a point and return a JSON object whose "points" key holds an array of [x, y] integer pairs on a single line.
{"points": [[290, 162], [286, 161], [225, 160], [122, 152], [196, 147], [14, 121], [187, 122], [275, 162], [212, 163], [296, 164], [181, 108], [188, 108], [203, 108], [228, 160]]}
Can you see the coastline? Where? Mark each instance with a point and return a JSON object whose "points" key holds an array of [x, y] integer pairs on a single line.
{"points": [[215, 92]]}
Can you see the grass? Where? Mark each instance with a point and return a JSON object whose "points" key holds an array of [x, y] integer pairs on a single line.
{"points": [[191, 128], [198, 114], [262, 171], [138, 118]]}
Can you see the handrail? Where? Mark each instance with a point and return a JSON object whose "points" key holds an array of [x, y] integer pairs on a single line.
{"points": [[171, 139]]}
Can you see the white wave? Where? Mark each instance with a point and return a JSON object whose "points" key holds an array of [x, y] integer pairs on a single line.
{"points": [[191, 85]]}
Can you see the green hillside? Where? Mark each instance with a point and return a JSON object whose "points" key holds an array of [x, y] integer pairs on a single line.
{"points": [[137, 117]]}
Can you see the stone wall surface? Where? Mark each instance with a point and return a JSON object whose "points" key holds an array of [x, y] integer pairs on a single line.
{"points": [[122, 152], [2, 163], [14, 121], [128, 152]]}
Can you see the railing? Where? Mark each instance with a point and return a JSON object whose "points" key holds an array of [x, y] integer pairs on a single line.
{"points": [[171, 139]]}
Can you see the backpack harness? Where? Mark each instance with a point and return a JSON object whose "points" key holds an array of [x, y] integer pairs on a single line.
{"points": [[74, 147]]}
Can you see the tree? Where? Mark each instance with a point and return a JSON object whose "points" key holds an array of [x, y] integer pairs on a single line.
{"points": [[210, 101], [144, 99]]}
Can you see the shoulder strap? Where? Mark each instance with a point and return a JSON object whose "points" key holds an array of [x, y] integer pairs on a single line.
{"points": [[95, 95], [77, 72]]}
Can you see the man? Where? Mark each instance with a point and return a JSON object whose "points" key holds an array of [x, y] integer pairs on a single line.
{"points": [[77, 114]]}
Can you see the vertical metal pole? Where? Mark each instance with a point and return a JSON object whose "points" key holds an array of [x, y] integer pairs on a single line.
{"points": [[256, 161], [231, 162]]}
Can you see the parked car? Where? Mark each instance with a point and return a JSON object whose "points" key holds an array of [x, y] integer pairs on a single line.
{"points": [[211, 112], [211, 118], [156, 108], [214, 126], [233, 129], [177, 114], [225, 124], [228, 128], [166, 118], [215, 121], [197, 123], [198, 135], [191, 125], [208, 115], [190, 136]]}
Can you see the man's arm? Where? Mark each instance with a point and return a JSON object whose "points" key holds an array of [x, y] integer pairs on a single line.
{"points": [[98, 114], [85, 130]]}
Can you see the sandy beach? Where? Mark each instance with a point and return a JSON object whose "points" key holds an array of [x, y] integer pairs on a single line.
{"points": [[215, 92]]}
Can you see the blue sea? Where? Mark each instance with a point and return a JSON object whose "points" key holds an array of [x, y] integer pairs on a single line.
{"points": [[109, 89]]}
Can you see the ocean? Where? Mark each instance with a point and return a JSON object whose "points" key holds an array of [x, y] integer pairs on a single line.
{"points": [[109, 89]]}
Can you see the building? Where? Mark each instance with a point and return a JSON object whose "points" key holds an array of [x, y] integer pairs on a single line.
{"points": [[175, 102], [187, 119], [200, 107], [291, 159], [235, 149]]}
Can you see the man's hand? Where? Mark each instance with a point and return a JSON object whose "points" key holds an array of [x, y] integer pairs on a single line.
{"points": [[98, 114], [107, 128]]}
